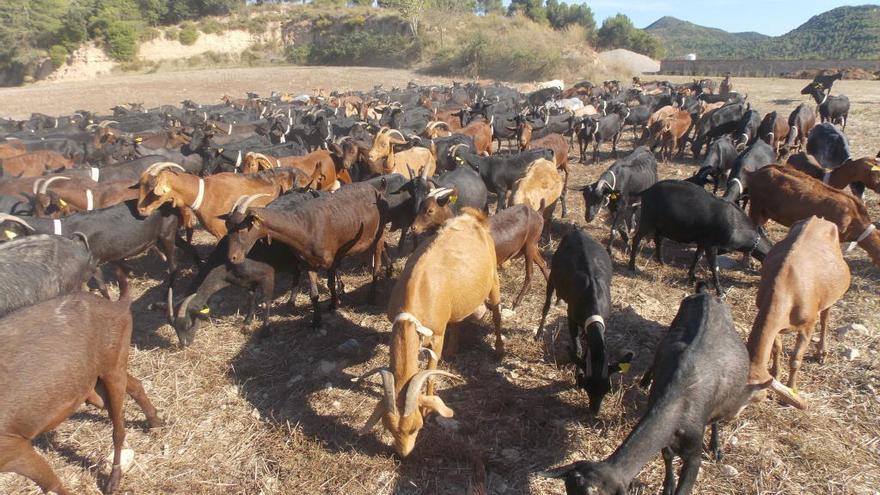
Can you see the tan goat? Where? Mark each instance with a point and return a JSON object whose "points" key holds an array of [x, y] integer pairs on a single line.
{"points": [[415, 158], [539, 189], [446, 280], [801, 278]]}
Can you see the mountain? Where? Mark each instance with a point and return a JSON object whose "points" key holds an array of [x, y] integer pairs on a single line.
{"points": [[844, 32]]}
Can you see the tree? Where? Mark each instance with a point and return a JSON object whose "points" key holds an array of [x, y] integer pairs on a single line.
{"points": [[533, 9], [619, 32], [486, 7], [411, 10], [562, 14]]}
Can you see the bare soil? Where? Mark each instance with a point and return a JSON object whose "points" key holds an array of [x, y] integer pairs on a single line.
{"points": [[267, 416]]}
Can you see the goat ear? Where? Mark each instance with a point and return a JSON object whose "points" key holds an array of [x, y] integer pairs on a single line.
{"points": [[435, 404]]}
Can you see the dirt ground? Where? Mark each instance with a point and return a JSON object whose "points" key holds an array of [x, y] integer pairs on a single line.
{"points": [[280, 415]]}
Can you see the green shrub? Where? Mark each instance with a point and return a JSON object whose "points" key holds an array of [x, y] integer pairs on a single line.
{"points": [[188, 34], [58, 55], [122, 40], [211, 26], [297, 54], [172, 34], [363, 48]]}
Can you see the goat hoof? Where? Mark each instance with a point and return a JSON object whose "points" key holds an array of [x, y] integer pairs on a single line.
{"points": [[113, 482], [820, 357], [155, 422]]}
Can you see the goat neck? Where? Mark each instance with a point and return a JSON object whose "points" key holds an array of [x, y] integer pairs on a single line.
{"points": [[653, 433]]}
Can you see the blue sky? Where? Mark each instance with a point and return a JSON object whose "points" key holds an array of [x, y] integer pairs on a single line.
{"points": [[773, 17]]}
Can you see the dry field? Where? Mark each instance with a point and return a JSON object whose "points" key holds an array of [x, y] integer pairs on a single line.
{"points": [[280, 416]]}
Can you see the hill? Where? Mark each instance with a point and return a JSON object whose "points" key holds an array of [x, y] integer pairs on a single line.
{"points": [[844, 32]]}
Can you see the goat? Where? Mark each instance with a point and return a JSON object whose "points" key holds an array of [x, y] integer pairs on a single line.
{"points": [[559, 146], [800, 123], [686, 213], [34, 164], [788, 196], [699, 378], [63, 347], [674, 130], [209, 197], [862, 170], [580, 274], [318, 162], [415, 158], [444, 281], [801, 278], [618, 189], [720, 158], [40, 267], [774, 130], [500, 173], [540, 188], [319, 233]]}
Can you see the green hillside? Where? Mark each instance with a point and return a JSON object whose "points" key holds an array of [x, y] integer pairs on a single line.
{"points": [[844, 32]]}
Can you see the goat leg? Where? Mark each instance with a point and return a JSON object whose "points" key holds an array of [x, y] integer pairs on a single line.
{"points": [[637, 239], [692, 272], [823, 328], [546, 309], [712, 256], [252, 308], [494, 304], [314, 296], [690, 468], [17, 455], [115, 383], [669, 479], [715, 442], [800, 348], [135, 390]]}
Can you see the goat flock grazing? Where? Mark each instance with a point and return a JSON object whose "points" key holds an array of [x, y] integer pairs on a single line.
{"points": [[428, 208]]}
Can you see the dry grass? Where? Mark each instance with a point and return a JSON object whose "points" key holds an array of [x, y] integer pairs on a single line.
{"points": [[247, 416]]}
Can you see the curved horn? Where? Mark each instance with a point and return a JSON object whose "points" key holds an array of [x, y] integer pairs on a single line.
{"points": [[414, 389], [105, 123], [37, 185], [398, 133], [454, 148], [49, 181], [181, 311], [388, 398], [242, 208], [155, 168], [787, 395], [237, 202], [12, 218]]}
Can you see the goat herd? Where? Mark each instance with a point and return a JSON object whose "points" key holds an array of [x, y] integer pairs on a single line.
{"points": [[300, 183]]}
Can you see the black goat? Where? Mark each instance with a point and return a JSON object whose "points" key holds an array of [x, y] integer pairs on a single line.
{"points": [[699, 378], [757, 156], [39, 267], [500, 172], [687, 213], [618, 188], [720, 157], [580, 274]]}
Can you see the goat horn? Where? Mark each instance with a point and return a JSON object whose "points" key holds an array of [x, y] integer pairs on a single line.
{"points": [[105, 123], [170, 307], [414, 389], [181, 311], [49, 181], [242, 208], [388, 398], [37, 185], [12, 218], [395, 131], [237, 201], [155, 168], [787, 395]]}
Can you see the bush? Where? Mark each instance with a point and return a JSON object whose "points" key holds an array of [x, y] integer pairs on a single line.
{"points": [[149, 34], [211, 26], [58, 55], [188, 34], [172, 34], [361, 47], [122, 40], [297, 54]]}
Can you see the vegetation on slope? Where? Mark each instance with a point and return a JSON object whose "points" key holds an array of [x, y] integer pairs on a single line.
{"points": [[841, 33]]}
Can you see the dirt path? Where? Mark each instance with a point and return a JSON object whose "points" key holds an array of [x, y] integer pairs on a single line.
{"points": [[65, 97]]}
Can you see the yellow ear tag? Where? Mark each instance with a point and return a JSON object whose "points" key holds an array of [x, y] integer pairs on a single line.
{"points": [[875, 168], [10, 234], [63, 203], [205, 311], [138, 139], [219, 150], [453, 199], [623, 367], [615, 195], [796, 393]]}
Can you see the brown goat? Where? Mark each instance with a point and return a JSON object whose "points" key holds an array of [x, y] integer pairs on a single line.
{"points": [[34, 163], [801, 278], [11, 148], [672, 136], [208, 197], [54, 354], [319, 163], [515, 231], [446, 280], [415, 158], [865, 170], [78, 194], [559, 145], [479, 131], [788, 196], [654, 126], [539, 189]]}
